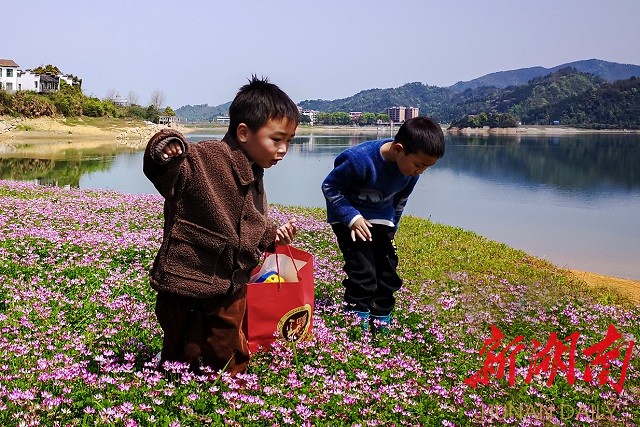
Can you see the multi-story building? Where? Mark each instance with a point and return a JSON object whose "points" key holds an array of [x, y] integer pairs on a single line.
{"points": [[396, 114], [411, 112], [8, 75], [400, 114]]}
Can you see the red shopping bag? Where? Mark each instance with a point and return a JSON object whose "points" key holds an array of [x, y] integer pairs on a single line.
{"points": [[282, 306]]}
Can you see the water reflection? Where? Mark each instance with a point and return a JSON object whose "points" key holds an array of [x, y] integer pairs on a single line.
{"points": [[576, 162], [52, 171], [567, 163]]}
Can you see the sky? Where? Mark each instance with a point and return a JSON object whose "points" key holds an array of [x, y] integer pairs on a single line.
{"points": [[201, 52]]}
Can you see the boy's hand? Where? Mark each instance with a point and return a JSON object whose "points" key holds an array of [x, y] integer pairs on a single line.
{"points": [[285, 233], [172, 149], [360, 228]]}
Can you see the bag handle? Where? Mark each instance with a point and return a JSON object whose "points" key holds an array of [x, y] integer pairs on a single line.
{"points": [[293, 261], [279, 251]]}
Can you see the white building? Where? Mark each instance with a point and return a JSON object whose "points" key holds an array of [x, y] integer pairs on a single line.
{"points": [[120, 101], [168, 120], [225, 120], [8, 75], [45, 82], [312, 114]]}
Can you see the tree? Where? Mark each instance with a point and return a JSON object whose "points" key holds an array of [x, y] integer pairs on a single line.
{"points": [[152, 114], [304, 119], [133, 98], [47, 69], [168, 111], [110, 95], [341, 118], [367, 119], [158, 98]]}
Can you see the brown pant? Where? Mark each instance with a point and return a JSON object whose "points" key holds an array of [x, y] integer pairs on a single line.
{"points": [[204, 331]]}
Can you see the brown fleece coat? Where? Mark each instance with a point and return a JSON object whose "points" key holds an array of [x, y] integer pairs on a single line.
{"points": [[215, 216]]}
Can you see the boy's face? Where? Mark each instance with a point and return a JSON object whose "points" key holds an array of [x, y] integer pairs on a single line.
{"points": [[413, 164], [269, 144]]}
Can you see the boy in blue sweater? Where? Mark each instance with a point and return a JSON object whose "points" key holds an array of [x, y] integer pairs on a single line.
{"points": [[366, 193]]}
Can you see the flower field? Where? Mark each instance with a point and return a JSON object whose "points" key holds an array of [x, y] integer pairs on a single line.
{"points": [[79, 334]]}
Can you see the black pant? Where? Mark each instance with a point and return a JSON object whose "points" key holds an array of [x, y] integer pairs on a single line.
{"points": [[371, 269]]}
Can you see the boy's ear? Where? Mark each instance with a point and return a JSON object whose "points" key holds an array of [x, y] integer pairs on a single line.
{"points": [[242, 132], [397, 147]]}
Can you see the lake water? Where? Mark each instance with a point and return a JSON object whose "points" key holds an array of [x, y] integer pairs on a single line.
{"points": [[574, 200]]}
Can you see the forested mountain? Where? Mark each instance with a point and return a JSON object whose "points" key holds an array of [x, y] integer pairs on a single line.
{"points": [[591, 96], [609, 71], [609, 105], [432, 100], [538, 92], [202, 112]]}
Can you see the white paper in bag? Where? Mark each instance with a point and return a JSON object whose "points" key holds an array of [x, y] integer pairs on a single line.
{"points": [[286, 264]]}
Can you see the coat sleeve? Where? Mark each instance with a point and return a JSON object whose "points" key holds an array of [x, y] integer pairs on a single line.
{"points": [[268, 241], [165, 173]]}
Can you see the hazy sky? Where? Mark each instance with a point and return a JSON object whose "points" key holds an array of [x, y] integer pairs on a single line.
{"points": [[200, 52]]}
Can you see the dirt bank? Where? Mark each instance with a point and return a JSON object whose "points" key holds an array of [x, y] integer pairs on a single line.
{"points": [[50, 134], [626, 287]]}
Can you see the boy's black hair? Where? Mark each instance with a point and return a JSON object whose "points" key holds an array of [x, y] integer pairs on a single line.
{"points": [[421, 135], [259, 101]]}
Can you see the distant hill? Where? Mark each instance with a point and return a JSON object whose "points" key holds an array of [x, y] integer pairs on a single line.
{"points": [[613, 105], [539, 92], [586, 93], [432, 100], [567, 96], [202, 112], [609, 71]]}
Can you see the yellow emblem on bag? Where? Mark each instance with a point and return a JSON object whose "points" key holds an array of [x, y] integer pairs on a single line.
{"points": [[294, 324]]}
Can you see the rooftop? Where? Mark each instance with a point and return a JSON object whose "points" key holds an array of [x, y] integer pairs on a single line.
{"points": [[8, 63]]}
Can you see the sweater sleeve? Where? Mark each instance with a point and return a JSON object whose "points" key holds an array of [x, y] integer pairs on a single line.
{"points": [[164, 173], [400, 201], [343, 176]]}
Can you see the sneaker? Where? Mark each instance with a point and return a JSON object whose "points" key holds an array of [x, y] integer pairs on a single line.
{"points": [[363, 317], [380, 323], [156, 359]]}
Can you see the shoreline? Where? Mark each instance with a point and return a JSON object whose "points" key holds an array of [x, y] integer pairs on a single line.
{"points": [[53, 135], [45, 130]]}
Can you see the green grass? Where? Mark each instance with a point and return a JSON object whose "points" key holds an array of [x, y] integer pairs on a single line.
{"points": [[79, 331]]}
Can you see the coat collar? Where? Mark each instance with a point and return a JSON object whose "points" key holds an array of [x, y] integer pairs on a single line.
{"points": [[245, 169]]}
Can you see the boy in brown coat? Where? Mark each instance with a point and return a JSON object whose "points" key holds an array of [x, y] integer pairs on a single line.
{"points": [[216, 226]]}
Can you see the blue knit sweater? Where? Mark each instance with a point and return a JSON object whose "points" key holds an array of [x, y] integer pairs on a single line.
{"points": [[363, 183]]}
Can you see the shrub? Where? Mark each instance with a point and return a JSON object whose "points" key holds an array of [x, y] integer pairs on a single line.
{"points": [[29, 104], [110, 109], [68, 100], [6, 106], [93, 107], [136, 111]]}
